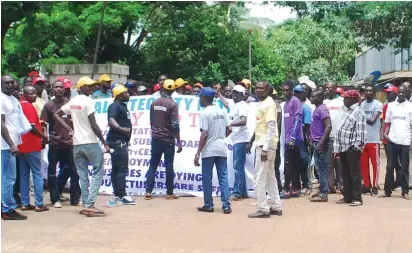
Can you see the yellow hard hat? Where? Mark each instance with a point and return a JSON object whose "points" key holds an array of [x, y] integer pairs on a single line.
{"points": [[180, 82], [119, 89], [85, 80], [169, 84], [245, 82], [105, 78]]}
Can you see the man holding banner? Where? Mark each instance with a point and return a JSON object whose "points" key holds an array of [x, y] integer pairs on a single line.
{"points": [[266, 136]]}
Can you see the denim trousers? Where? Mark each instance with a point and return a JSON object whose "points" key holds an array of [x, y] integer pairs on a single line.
{"points": [[239, 160], [120, 167], [84, 155], [334, 168], [160, 147], [306, 172], [207, 176], [63, 156], [31, 162], [8, 179], [321, 164]]}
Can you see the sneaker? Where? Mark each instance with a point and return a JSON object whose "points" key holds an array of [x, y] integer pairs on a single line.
{"points": [[319, 198], [295, 194], [375, 191], [259, 214], [234, 198], [405, 196], [399, 189], [147, 196], [57, 205], [227, 210], [286, 195], [356, 203], [275, 212], [126, 200], [62, 198], [172, 196], [206, 209], [308, 192], [366, 190], [13, 216], [302, 192], [27, 208]]}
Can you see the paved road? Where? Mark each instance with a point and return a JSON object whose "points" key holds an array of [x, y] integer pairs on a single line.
{"points": [[160, 225]]}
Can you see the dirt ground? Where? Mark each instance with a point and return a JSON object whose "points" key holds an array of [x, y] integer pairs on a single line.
{"points": [[160, 225]]}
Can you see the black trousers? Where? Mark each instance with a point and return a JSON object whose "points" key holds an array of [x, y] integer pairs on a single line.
{"points": [[277, 165], [292, 171], [397, 167], [397, 153], [63, 156], [351, 173], [120, 167]]}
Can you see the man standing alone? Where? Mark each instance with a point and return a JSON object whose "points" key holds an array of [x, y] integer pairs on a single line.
{"points": [[164, 121], [372, 109], [118, 139], [349, 141]]}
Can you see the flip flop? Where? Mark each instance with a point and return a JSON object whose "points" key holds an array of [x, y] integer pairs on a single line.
{"points": [[92, 213]]}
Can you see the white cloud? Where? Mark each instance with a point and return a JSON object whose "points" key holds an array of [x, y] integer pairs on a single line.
{"points": [[276, 13]]}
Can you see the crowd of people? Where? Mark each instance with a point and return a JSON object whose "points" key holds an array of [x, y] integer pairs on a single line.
{"points": [[339, 130]]}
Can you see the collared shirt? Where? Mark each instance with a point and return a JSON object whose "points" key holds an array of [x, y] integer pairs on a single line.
{"points": [[399, 115], [266, 132], [352, 130], [164, 118]]}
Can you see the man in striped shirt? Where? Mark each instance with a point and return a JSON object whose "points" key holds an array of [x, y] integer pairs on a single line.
{"points": [[349, 141]]}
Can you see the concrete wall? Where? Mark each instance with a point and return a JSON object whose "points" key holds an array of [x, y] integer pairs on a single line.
{"points": [[117, 72]]}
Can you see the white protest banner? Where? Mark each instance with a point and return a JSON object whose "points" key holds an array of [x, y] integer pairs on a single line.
{"points": [[188, 178]]}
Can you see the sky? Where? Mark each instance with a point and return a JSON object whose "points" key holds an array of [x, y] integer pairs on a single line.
{"points": [[275, 13]]}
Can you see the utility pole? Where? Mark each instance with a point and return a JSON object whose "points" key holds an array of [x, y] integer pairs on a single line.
{"points": [[99, 33], [250, 53]]}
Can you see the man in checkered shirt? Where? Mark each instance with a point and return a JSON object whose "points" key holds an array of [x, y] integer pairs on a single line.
{"points": [[349, 141]]}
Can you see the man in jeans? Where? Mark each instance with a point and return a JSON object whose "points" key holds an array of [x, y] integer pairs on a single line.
{"points": [[13, 125], [29, 154], [118, 139], [86, 148], [164, 121], [214, 127], [240, 139], [398, 132], [319, 134], [266, 137], [350, 139], [60, 149], [334, 103]]}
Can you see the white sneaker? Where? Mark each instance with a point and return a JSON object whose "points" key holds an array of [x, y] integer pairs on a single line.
{"points": [[57, 205], [126, 200]]}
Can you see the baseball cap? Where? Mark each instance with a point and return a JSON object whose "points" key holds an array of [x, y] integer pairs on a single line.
{"points": [[85, 80], [38, 79], [298, 89], [169, 84], [340, 90], [391, 89], [66, 82], [239, 88], [105, 78], [188, 87], [180, 82], [119, 89], [245, 82], [141, 88], [130, 84], [351, 94], [156, 87], [388, 85], [206, 92]]}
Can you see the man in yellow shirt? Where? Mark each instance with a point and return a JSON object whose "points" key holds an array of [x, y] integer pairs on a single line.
{"points": [[266, 137]]}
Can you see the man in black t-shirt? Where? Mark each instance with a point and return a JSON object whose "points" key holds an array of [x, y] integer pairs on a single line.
{"points": [[118, 139]]}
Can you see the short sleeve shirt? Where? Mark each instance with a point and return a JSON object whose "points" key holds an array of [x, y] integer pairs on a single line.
{"points": [[118, 111], [317, 129], [214, 120], [307, 114], [292, 109], [31, 142], [399, 115], [372, 131], [239, 134], [80, 107]]}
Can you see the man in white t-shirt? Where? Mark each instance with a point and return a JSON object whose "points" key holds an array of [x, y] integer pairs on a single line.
{"points": [[398, 132], [334, 103], [372, 109], [86, 148], [240, 139], [13, 125]]}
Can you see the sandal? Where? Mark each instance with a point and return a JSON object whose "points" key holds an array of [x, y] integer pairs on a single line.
{"points": [[28, 208], [147, 196], [41, 209], [343, 201]]}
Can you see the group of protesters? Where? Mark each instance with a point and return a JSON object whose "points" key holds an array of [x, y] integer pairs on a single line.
{"points": [[339, 130]]}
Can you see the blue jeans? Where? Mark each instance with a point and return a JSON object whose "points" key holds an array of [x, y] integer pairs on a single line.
{"points": [[84, 155], [8, 178], [160, 147], [239, 160], [321, 164], [305, 173], [207, 176], [31, 162]]}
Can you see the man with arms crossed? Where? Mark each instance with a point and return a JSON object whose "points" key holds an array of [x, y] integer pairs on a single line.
{"points": [[266, 137], [86, 148]]}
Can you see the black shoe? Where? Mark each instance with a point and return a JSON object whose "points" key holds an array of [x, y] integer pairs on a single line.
{"points": [[206, 209], [375, 191], [13, 216], [227, 210], [366, 190], [276, 212], [259, 214]]}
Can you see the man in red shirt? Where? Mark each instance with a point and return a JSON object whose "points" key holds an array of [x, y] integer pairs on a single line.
{"points": [[29, 154]]}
